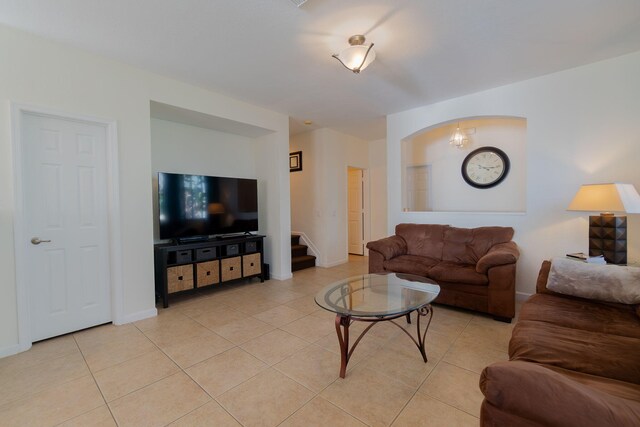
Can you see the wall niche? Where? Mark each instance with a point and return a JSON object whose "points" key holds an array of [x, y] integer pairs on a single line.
{"points": [[432, 168]]}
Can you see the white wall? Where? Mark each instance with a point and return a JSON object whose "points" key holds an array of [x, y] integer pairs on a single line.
{"points": [[275, 209], [43, 73], [180, 148], [450, 193], [378, 188], [582, 127], [319, 191], [306, 188]]}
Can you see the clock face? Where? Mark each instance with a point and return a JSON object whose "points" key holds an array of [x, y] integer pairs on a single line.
{"points": [[485, 167]]}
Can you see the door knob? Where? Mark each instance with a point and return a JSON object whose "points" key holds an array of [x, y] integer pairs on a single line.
{"points": [[36, 241]]}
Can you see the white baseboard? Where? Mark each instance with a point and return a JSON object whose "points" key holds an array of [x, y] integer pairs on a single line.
{"points": [[522, 296], [134, 317], [10, 350], [333, 264], [281, 276]]}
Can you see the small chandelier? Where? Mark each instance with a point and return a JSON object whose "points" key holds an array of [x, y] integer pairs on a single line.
{"points": [[358, 56], [458, 139]]}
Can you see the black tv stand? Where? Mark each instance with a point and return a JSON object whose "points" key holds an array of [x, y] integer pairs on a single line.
{"points": [[188, 267]]}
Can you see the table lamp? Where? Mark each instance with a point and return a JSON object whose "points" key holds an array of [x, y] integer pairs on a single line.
{"points": [[607, 232]]}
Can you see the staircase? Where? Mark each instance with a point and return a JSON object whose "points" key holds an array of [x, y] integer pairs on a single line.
{"points": [[299, 258]]}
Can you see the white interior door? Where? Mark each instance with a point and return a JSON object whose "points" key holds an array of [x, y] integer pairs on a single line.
{"points": [[418, 188], [355, 211], [65, 194]]}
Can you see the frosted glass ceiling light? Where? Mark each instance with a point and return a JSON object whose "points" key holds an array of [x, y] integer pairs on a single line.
{"points": [[358, 56], [458, 139]]}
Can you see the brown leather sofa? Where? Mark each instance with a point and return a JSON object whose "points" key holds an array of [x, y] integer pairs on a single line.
{"points": [[475, 267], [573, 363]]}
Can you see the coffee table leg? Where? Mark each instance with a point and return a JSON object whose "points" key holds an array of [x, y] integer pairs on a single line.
{"points": [[343, 338], [423, 312]]}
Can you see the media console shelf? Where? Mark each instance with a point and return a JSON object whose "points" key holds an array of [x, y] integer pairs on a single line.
{"points": [[190, 266]]}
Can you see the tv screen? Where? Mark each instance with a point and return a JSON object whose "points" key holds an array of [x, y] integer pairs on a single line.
{"points": [[198, 205]]}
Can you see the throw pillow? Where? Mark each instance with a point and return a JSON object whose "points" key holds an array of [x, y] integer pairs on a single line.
{"points": [[611, 283]]}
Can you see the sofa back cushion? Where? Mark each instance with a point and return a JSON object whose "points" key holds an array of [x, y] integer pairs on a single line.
{"points": [[425, 240], [468, 245]]}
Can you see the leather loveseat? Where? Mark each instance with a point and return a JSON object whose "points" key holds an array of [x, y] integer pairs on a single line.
{"points": [[574, 362], [475, 267]]}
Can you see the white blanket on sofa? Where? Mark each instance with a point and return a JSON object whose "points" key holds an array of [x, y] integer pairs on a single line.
{"points": [[611, 283]]}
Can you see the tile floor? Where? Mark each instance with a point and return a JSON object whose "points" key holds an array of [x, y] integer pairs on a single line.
{"points": [[253, 354]]}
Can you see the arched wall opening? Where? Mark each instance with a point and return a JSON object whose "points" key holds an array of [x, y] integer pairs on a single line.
{"points": [[431, 167]]}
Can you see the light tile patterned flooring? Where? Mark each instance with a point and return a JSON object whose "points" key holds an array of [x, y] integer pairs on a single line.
{"points": [[253, 354]]}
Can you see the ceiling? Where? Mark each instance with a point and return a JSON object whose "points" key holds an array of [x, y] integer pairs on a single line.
{"points": [[276, 55]]}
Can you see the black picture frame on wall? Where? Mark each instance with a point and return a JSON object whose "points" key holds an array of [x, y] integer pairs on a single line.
{"points": [[295, 161]]}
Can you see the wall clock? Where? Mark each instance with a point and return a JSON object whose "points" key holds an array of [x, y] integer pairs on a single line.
{"points": [[485, 167]]}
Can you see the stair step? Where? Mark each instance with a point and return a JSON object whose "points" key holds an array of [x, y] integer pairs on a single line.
{"points": [[302, 262], [298, 250], [295, 239]]}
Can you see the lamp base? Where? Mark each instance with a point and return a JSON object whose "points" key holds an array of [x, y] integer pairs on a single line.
{"points": [[608, 237]]}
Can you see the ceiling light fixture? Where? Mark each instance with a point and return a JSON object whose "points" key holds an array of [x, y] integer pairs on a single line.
{"points": [[458, 139], [358, 55]]}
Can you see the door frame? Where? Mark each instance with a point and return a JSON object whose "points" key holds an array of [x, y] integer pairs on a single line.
{"points": [[18, 110]]}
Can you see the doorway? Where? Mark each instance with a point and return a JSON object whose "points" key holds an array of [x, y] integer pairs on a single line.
{"points": [[66, 223], [355, 210], [418, 188]]}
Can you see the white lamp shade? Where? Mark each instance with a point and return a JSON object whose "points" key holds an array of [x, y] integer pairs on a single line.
{"points": [[352, 57], [616, 197]]}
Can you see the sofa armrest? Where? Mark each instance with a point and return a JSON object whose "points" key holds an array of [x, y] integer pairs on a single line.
{"points": [[500, 254], [549, 398], [389, 247], [543, 276]]}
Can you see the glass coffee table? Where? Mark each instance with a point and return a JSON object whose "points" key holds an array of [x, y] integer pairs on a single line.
{"points": [[378, 298]]}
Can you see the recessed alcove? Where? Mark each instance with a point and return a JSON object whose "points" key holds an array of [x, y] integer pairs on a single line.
{"points": [[431, 167], [191, 142]]}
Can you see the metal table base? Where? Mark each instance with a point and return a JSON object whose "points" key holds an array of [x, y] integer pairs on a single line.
{"points": [[342, 329]]}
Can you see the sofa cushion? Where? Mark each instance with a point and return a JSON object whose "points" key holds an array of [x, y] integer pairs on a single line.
{"points": [[457, 273], [410, 264], [610, 283], [423, 239], [468, 245], [582, 314], [546, 397], [492, 416], [610, 356]]}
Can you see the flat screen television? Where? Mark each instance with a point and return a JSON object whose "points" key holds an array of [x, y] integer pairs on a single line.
{"points": [[198, 205]]}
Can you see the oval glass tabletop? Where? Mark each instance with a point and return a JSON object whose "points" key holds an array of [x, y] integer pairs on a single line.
{"points": [[377, 295]]}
